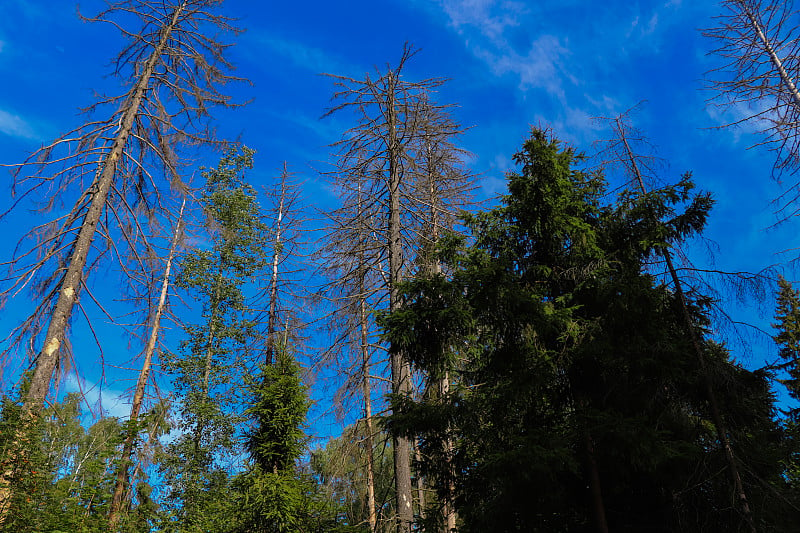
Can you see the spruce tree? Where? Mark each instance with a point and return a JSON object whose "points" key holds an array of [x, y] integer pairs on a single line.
{"points": [[579, 405]]}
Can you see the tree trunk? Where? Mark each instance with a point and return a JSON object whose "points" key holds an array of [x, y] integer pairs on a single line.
{"points": [[773, 56], [368, 439], [420, 484], [144, 374], [595, 492], [716, 415], [273, 289], [401, 378]]}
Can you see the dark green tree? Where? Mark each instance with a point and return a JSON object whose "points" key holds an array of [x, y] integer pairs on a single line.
{"points": [[275, 496], [578, 404], [787, 316]]}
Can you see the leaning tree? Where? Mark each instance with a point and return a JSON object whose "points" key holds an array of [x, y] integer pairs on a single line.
{"points": [[119, 171]]}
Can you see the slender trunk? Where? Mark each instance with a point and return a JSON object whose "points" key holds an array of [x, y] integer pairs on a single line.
{"points": [[273, 289], [420, 484], [48, 358], [716, 415], [144, 374], [368, 438], [773, 56], [595, 493], [401, 378], [448, 509]]}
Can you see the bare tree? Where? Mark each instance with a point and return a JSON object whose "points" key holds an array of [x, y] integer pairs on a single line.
{"points": [[759, 42], [114, 164], [141, 383], [401, 181], [281, 295], [112, 167], [638, 169]]}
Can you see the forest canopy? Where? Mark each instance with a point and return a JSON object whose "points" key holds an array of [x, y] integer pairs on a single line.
{"points": [[402, 314]]}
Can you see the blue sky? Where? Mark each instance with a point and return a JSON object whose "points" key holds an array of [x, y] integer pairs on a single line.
{"points": [[510, 64]]}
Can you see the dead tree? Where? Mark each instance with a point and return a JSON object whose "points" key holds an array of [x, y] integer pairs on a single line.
{"points": [[638, 170], [394, 194], [114, 165], [116, 171], [280, 296], [353, 260], [759, 43], [122, 478]]}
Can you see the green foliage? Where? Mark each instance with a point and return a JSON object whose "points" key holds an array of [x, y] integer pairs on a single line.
{"points": [[571, 361], [341, 470], [274, 496], [196, 466], [279, 407], [787, 316], [65, 479]]}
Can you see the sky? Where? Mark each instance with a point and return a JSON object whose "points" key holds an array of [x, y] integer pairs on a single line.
{"points": [[510, 65]]}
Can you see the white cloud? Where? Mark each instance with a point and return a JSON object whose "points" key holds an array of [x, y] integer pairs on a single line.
{"points": [[302, 55], [491, 17], [540, 68], [111, 400], [15, 126]]}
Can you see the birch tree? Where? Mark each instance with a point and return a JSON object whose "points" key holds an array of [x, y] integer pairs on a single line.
{"points": [[214, 355]]}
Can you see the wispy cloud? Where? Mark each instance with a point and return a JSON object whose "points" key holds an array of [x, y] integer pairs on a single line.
{"points": [[493, 31], [540, 68], [301, 54], [491, 17], [15, 126], [111, 400]]}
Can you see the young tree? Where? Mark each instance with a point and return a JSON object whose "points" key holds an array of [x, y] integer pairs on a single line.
{"points": [[787, 316], [214, 356], [275, 497]]}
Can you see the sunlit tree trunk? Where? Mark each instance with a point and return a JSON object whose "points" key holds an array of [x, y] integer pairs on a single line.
{"points": [[144, 375]]}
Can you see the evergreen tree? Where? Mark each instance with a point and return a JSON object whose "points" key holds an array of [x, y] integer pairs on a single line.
{"points": [[275, 497], [787, 316], [579, 405]]}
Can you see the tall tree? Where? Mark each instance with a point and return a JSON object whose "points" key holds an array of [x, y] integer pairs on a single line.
{"points": [[173, 67], [579, 405], [377, 149], [379, 173], [280, 295], [636, 168]]}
